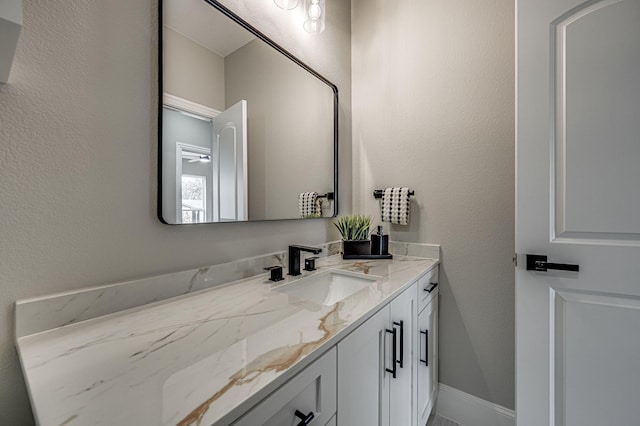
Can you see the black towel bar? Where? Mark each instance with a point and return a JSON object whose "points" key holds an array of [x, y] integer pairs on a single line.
{"points": [[377, 193], [328, 196]]}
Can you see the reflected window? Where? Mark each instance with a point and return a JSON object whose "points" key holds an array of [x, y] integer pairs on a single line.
{"points": [[194, 208]]}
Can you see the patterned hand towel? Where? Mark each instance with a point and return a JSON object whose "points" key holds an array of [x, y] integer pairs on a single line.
{"points": [[395, 205], [318, 206], [309, 204]]}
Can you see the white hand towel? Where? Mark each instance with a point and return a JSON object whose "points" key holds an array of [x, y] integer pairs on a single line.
{"points": [[394, 205], [308, 204]]}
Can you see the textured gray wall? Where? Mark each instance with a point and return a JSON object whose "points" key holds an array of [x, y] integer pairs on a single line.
{"points": [[78, 159], [433, 90], [192, 72]]}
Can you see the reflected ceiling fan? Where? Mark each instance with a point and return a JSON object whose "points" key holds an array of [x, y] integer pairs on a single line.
{"points": [[194, 157]]}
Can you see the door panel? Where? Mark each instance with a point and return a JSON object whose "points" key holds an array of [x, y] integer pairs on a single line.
{"points": [[231, 163], [595, 323], [577, 201], [597, 58]]}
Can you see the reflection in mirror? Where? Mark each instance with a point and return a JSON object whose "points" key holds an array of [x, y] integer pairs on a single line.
{"points": [[248, 132]]}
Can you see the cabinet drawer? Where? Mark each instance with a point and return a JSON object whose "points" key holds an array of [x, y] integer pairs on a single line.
{"points": [[311, 390], [425, 283]]}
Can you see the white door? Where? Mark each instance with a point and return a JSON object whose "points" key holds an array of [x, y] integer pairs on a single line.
{"points": [[578, 202], [231, 164]]}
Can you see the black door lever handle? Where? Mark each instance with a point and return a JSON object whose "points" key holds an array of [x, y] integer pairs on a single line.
{"points": [[536, 262]]}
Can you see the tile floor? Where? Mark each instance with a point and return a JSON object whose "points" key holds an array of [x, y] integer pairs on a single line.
{"points": [[436, 420]]}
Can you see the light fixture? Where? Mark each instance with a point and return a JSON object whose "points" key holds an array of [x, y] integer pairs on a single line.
{"points": [[314, 11], [286, 4]]}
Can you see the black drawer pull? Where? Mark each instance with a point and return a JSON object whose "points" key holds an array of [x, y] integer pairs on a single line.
{"points": [[401, 325], [426, 347], [393, 370], [305, 419], [431, 287]]}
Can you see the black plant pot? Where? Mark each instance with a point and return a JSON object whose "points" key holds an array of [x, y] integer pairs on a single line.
{"points": [[356, 247]]}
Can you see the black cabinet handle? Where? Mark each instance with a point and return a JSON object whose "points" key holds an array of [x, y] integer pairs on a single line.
{"points": [[536, 262], [305, 419], [393, 370], [431, 287], [401, 325], [426, 347]]}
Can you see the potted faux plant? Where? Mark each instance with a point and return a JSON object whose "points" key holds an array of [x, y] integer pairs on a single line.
{"points": [[355, 234]]}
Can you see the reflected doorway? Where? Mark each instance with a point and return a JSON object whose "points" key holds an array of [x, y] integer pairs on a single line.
{"points": [[205, 170]]}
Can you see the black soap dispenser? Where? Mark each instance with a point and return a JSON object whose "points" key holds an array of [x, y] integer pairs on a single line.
{"points": [[379, 243]]}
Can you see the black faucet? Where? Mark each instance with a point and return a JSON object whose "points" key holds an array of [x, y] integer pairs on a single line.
{"points": [[294, 257]]}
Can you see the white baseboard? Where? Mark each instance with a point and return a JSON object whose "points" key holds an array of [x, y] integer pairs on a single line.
{"points": [[469, 410]]}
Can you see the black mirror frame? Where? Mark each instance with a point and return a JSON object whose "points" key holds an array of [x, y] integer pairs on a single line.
{"points": [[227, 12]]}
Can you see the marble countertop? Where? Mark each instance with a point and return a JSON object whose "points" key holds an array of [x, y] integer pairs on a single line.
{"points": [[202, 358]]}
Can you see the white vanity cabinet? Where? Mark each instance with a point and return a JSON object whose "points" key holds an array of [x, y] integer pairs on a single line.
{"points": [[313, 390], [376, 380], [427, 354], [280, 359]]}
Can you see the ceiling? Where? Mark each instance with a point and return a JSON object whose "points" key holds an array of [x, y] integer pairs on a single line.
{"points": [[202, 23]]}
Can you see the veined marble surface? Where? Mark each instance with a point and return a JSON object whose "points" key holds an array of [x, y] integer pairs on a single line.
{"points": [[429, 251], [201, 358], [44, 313]]}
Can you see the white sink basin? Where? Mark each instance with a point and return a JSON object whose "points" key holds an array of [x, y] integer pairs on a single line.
{"points": [[328, 287]]}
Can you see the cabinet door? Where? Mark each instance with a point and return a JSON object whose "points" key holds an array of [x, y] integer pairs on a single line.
{"points": [[403, 388], [363, 397], [311, 390], [427, 357]]}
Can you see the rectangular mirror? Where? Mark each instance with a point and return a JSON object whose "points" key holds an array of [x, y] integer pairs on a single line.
{"points": [[247, 132]]}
